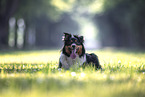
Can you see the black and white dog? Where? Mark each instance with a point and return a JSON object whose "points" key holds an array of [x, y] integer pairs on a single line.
{"points": [[73, 53]]}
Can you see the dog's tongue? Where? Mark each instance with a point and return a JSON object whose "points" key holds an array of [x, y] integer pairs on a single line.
{"points": [[73, 54]]}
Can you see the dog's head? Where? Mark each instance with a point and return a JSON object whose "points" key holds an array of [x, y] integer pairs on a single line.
{"points": [[73, 45]]}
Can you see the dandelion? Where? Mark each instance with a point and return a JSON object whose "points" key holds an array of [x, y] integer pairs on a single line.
{"points": [[41, 65], [83, 74], [104, 76], [119, 62], [73, 74], [59, 69]]}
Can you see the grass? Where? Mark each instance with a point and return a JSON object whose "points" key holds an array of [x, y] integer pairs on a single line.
{"points": [[35, 74]]}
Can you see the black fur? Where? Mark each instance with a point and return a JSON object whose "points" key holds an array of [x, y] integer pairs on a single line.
{"points": [[60, 64], [64, 52], [93, 59]]}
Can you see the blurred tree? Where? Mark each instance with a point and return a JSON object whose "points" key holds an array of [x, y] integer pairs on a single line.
{"points": [[45, 16], [33, 11], [122, 23], [7, 9]]}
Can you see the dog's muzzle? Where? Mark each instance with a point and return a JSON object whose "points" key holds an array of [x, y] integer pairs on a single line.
{"points": [[73, 46], [73, 52]]}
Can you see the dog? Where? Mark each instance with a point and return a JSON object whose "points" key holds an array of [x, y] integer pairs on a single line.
{"points": [[73, 53]]}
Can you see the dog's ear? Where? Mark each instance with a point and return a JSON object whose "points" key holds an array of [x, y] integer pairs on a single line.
{"points": [[66, 36], [81, 38]]}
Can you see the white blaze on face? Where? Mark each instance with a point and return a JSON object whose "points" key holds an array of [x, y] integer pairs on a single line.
{"points": [[73, 53]]}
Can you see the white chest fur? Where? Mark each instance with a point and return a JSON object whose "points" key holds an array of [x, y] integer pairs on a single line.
{"points": [[67, 62]]}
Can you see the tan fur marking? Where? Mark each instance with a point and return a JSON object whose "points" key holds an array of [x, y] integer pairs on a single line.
{"points": [[67, 49], [79, 49]]}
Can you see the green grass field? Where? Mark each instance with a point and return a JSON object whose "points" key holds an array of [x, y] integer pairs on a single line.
{"points": [[35, 74]]}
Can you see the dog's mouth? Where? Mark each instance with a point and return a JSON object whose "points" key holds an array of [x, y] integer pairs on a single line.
{"points": [[73, 54], [74, 51]]}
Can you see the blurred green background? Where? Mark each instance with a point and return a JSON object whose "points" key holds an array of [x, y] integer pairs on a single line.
{"points": [[27, 24]]}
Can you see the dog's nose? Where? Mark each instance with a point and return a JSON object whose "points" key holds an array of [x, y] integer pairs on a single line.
{"points": [[73, 46]]}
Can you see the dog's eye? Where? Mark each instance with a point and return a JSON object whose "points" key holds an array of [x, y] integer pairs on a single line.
{"points": [[71, 41]]}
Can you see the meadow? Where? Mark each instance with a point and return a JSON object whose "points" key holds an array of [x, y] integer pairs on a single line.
{"points": [[35, 74]]}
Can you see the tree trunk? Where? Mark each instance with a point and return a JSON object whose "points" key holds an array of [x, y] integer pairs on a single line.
{"points": [[7, 11]]}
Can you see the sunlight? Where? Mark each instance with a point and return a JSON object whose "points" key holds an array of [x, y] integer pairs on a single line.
{"points": [[90, 35], [42, 57], [89, 31], [97, 6], [61, 5]]}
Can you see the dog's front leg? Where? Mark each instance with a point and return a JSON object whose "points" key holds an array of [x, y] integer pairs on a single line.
{"points": [[63, 62]]}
